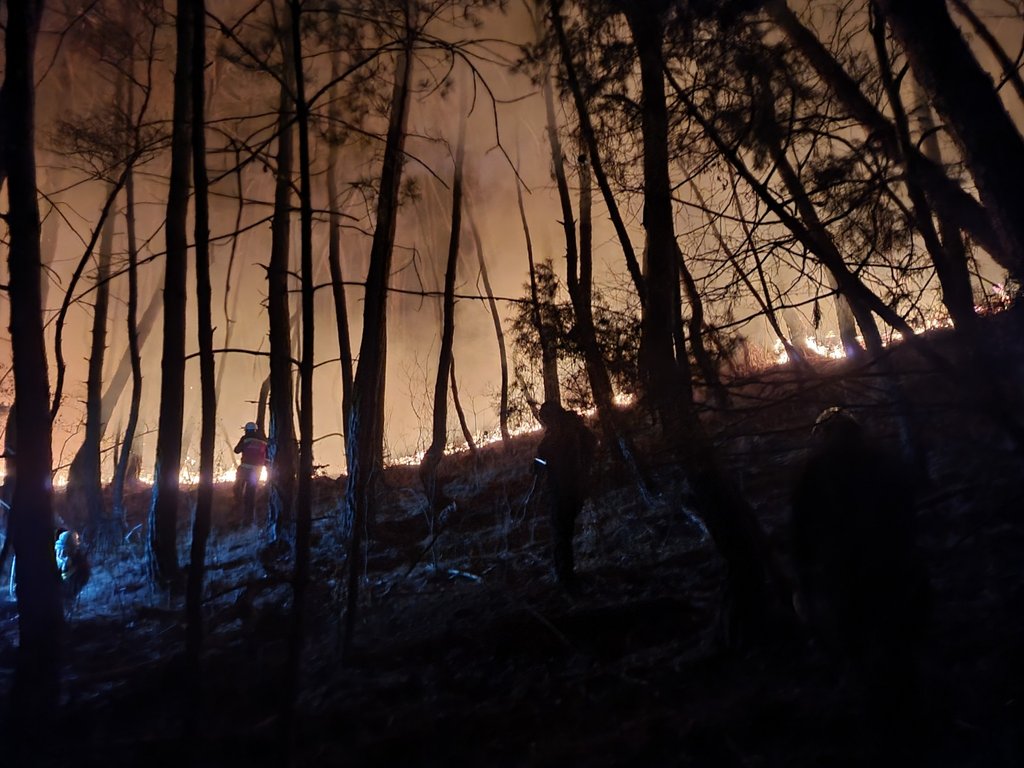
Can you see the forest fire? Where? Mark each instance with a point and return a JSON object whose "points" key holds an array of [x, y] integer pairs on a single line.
{"points": [[374, 245]]}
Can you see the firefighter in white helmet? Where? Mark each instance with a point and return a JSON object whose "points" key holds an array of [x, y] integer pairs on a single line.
{"points": [[253, 447]]}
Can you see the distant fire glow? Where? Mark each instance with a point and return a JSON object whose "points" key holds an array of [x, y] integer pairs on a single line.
{"points": [[832, 348], [188, 476]]}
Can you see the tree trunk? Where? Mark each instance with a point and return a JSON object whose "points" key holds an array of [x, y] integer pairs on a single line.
{"points": [[281, 449], [304, 491], [69, 294], [548, 351], [364, 431], [1010, 71], [953, 267], [125, 367], [498, 333], [846, 317], [163, 514], [578, 280], [439, 427], [581, 295], [84, 475], [207, 378], [756, 586], [708, 368], [572, 254], [261, 406], [463, 424], [658, 369], [963, 93], [229, 316], [134, 351], [35, 693], [334, 259]]}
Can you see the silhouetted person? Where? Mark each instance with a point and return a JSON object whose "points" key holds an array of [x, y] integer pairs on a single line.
{"points": [[863, 586], [565, 455], [253, 447]]}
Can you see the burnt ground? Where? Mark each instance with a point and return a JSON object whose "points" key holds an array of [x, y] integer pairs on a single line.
{"points": [[467, 653]]}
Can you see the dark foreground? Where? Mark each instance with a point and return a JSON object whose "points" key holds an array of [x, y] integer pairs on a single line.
{"points": [[475, 657]]}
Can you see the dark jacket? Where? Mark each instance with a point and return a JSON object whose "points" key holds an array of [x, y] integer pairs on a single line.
{"points": [[568, 452]]}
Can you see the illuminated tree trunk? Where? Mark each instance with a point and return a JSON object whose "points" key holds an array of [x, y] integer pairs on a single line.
{"points": [[261, 406], [163, 514], [463, 424], [498, 333], [125, 372], [281, 449], [69, 294], [439, 426], [207, 375], [35, 693], [134, 351], [364, 431], [334, 259], [84, 482], [962, 92]]}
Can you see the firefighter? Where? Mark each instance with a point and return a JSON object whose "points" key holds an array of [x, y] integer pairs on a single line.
{"points": [[565, 455], [863, 587], [253, 447], [72, 563]]}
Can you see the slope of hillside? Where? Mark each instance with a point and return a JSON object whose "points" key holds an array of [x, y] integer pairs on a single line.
{"points": [[467, 652]]}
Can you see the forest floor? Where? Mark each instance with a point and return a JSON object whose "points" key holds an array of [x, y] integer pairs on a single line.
{"points": [[468, 653]]}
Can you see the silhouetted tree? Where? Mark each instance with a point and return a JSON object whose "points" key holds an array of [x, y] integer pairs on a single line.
{"points": [[589, 137], [163, 513], [84, 481], [207, 375], [541, 323], [35, 693], [499, 332], [282, 449], [439, 423], [963, 93], [948, 198], [334, 253], [658, 367], [364, 431]]}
